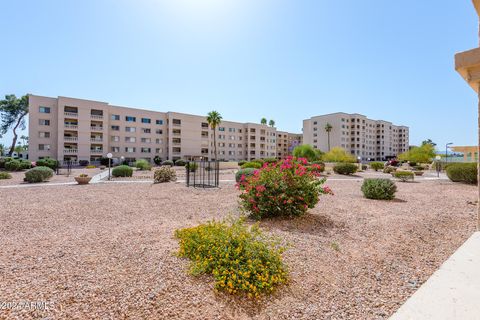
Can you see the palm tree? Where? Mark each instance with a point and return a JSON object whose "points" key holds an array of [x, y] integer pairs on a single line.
{"points": [[271, 123], [25, 142], [328, 128], [263, 121], [214, 118], [2, 149]]}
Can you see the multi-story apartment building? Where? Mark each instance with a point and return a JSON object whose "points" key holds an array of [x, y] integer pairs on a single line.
{"points": [[363, 137], [76, 129], [286, 142]]}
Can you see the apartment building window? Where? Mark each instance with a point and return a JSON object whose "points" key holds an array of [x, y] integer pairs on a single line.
{"points": [[44, 109], [158, 141], [146, 150], [130, 149], [115, 128], [231, 129], [314, 123], [115, 139], [315, 129], [146, 130], [204, 125], [231, 153], [44, 147], [239, 145], [221, 128], [115, 149], [44, 134], [204, 151], [146, 120], [130, 139], [177, 150], [44, 122], [158, 150], [130, 129], [221, 136], [177, 122], [115, 117], [130, 119], [204, 134], [159, 122], [146, 140], [159, 131], [221, 144]]}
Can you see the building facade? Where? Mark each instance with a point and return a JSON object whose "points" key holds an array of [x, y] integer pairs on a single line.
{"points": [[286, 142], [71, 129], [363, 137]]}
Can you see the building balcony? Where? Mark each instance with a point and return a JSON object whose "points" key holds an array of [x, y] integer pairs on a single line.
{"points": [[96, 128], [71, 126], [71, 114], [96, 151], [96, 117], [70, 151], [70, 139], [467, 63], [96, 139]]}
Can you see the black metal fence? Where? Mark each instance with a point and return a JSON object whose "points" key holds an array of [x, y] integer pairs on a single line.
{"points": [[202, 174]]}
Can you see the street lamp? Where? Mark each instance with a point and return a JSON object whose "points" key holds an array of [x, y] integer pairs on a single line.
{"points": [[437, 165], [446, 151], [109, 156]]}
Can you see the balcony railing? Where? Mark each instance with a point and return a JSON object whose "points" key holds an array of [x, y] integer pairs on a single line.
{"points": [[70, 114], [70, 138], [96, 116], [96, 128], [96, 151], [71, 126], [96, 139], [70, 151]]}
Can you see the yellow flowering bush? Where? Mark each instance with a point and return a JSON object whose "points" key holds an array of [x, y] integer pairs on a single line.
{"points": [[241, 259]]}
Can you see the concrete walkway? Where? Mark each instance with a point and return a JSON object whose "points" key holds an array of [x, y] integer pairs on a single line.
{"points": [[452, 292]]}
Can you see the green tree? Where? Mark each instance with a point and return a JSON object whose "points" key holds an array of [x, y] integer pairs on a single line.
{"points": [[271, 123], [2, 149], [263, 121], [328, 128], [214, 118], [423, 154], [13, 111], [24, 142], [429, 141], [305, 151], [338, 154]]}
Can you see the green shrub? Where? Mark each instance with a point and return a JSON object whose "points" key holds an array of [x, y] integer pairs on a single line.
{"points": [[241, 259], [252, 164], [122, 171], [143, 164], [38, 174], [167, 163], [364, 167], [306, 151], [241, 162], [338, 154], [164, 174], [4, 160], [345, 168], [412, 163], [462, 172], [104, 161], [261, 161], [377, 165], [243, 174], [48, 162], [5, 175], [157, 160], [389, 169], [191, 166], [180, 163], [25, 164], [404, 176], [418, 168], [286, 188], [379, 189], [270, 160], [13, 165], [316, 167]]}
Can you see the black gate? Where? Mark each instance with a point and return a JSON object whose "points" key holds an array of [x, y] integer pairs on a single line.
{"points": [[202, 174]]}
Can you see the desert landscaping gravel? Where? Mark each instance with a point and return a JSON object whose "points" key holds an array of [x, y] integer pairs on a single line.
{"points": [[107, 251]]}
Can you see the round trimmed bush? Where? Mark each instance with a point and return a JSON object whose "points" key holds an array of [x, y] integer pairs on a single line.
{"points": [[48, 162], [122, 171], [157, 160], [462, 172], [345, 168], [377, 165], [379, 189], [25, 164], [38, 174], [389, 169], [404, 176], [142, 164], [243, 174], [180, 163], [167, 163], [5, 175], [13, 165], [4, 160], [164, 174], [252, 164]]}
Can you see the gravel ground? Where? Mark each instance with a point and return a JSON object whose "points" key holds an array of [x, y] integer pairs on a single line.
{"points": [[107, 251], [17, 177]]}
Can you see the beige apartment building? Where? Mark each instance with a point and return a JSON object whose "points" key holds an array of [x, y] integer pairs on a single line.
{"points": [[286, 142], [363, 137], [71, 129]]}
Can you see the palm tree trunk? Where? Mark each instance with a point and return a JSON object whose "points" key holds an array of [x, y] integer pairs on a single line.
{"points": [[328, 135], [214, 144]]}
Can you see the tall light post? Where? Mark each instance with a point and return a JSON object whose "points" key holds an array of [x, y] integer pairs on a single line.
{"points": [[109, 156], [446, 151], [437, 165]]}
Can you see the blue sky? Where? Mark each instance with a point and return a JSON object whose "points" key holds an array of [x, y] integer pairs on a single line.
{"points": [[286, 60]]}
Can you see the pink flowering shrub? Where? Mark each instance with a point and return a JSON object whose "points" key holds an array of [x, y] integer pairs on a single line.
{"points": [[286, 188]]}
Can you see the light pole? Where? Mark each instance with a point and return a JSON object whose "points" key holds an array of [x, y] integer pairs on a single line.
{"points": [[109, 156], [446, 151], [437, 165]]}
